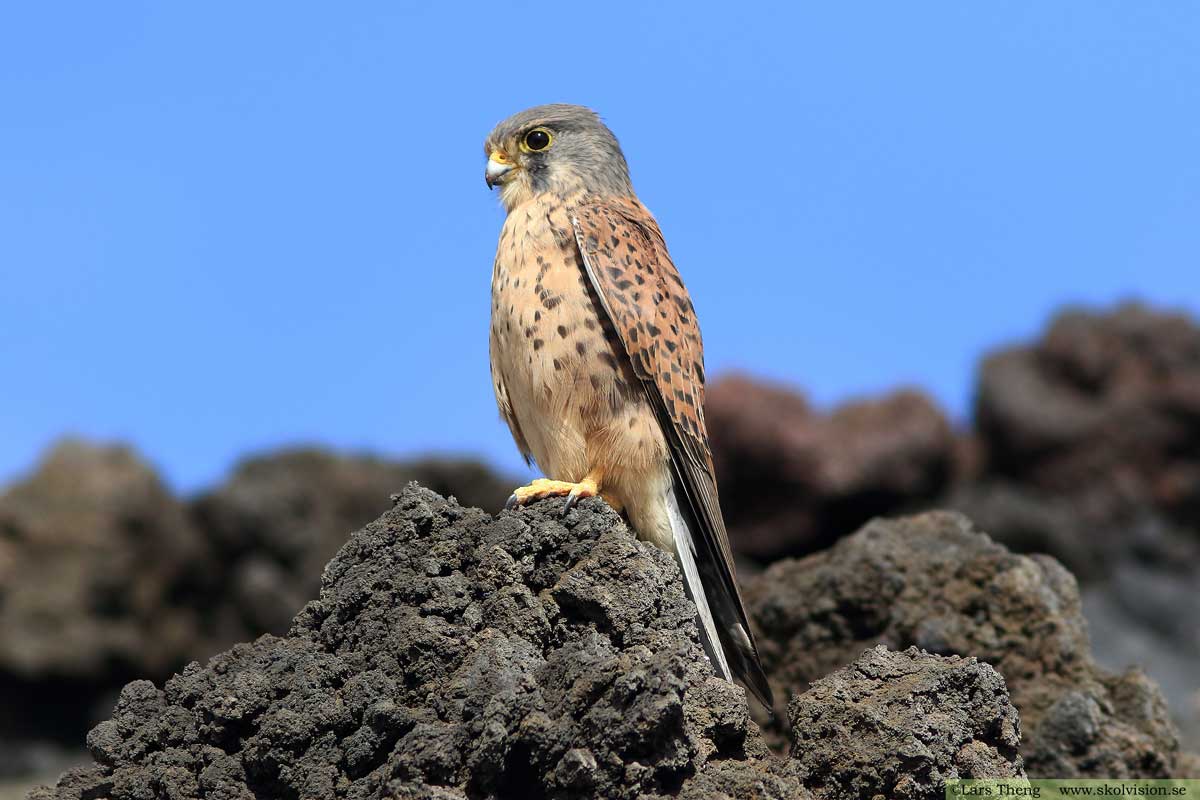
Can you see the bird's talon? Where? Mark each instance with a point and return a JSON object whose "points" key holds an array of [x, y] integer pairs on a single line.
{"points": [[542, 488], [585, 489]]}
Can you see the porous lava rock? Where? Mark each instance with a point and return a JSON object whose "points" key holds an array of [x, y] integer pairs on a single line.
{"points": [[899, 725], [106, 575], [92, 549], [276, 521], [935, 582], [452, 654], [1085, 445]]}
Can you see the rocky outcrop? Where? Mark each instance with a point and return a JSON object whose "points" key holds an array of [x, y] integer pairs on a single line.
{"points": [[1092, 433], [92, 550], [105, 576], [451, 654], [93, 546], [899, 724], [935, 582], [1107, 404], [279, 518], [1088, 433], [1090, 441], [794, 480], [1085, 446]]}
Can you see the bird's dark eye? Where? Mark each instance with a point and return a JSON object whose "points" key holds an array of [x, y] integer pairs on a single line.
{"points": [[538, 139]]}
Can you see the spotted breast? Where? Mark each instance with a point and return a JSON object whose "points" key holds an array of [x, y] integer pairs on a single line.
{"points": [[563, 386]]}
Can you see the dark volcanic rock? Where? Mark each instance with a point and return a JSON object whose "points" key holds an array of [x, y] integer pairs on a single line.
{"points": [[1103, 403], [1091, 451], [899, 724], [935, 582], [455, 655], [1091, 435], [279, 518], [92, 544], [519, 656], [91, 548], [1085, 446], [793, 481], [105, 576]]}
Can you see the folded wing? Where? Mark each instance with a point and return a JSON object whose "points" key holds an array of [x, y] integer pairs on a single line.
{"points": [[639, 289]]}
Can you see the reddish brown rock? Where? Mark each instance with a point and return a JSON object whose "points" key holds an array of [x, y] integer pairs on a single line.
{"points": [[793, 480]]}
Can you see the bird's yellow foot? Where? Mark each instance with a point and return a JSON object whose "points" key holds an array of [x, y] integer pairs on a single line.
{"points": [[543, 487]]}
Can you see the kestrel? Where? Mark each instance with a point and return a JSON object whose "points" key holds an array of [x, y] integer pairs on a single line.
{"points": [[597, 361]]}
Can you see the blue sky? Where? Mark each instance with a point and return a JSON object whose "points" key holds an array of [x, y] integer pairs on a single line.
{"points": [[226, 227]]}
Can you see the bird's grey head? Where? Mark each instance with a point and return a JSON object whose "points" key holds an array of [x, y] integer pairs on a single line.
{"points": [[557, 148]]}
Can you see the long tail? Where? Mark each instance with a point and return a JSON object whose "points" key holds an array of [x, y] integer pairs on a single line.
{"points": [[722, 632], [685, 551]]}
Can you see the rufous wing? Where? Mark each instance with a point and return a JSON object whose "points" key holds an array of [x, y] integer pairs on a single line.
{"points": [[641, 292]]}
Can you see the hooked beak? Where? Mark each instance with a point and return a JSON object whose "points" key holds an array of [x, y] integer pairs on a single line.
{"points": [[497, 167]]}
